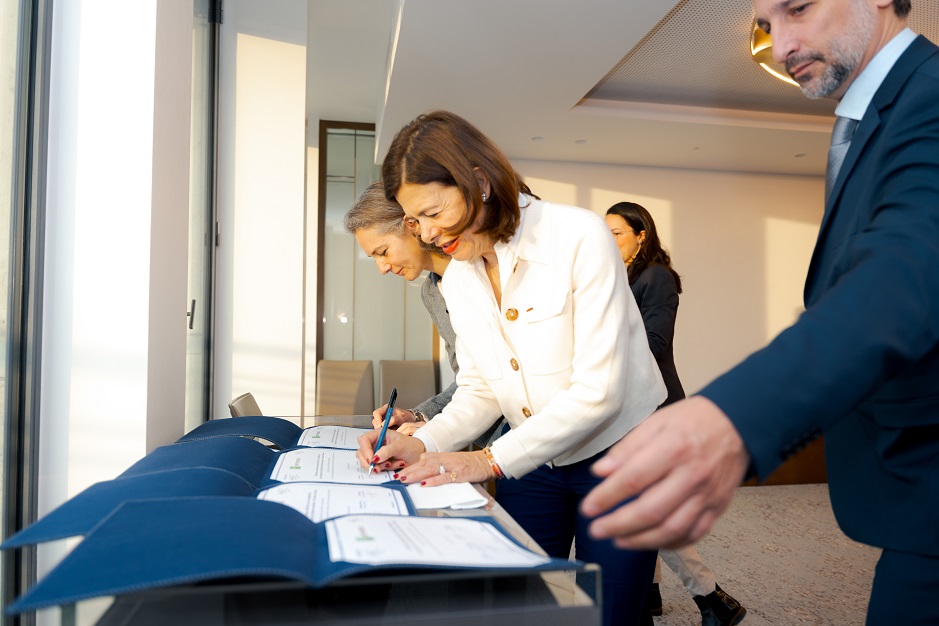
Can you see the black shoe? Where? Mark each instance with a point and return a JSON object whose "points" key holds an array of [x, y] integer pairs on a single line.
{"points": [[719, 608], [654, 600]]}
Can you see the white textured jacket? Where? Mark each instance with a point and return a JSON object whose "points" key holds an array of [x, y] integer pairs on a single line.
{"points": [[565, 358]]}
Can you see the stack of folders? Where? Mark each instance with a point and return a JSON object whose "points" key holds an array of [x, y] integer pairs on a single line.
{"points": [[219, 504]]}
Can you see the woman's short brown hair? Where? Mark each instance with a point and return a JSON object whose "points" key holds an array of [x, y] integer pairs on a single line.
{"points": [[442, 147]]}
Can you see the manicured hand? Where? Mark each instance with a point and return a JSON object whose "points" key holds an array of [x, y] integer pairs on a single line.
{"points": [[410, 428], [397, 450], [441, 468]]}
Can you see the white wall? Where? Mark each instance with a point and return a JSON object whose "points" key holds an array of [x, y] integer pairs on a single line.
{"points": [[261, 168], [114, 318], [741, 242]]}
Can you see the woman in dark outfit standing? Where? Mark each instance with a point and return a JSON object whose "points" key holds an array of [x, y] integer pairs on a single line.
{"points": [[656, 285]]}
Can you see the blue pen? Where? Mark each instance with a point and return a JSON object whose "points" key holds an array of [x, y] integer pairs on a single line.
{"points": [[384, 426]]}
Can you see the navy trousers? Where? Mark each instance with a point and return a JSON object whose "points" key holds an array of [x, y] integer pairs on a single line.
{"points": [[905, 591], [546, 504]]}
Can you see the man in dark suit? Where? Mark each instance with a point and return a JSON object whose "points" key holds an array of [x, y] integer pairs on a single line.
{"points": [[861, 365]]}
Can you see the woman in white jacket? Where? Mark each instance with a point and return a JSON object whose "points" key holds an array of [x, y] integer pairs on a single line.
{"points": [[548, 334]]}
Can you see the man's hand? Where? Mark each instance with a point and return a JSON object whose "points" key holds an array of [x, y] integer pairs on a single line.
{"points": [[684, 464]]}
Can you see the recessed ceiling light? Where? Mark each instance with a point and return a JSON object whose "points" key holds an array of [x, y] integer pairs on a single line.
{"points": [[761, 49], [580, 141], [537, 138], [800, 155]]}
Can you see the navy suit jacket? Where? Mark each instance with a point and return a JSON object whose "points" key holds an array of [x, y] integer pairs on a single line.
{"points": [[861, 364]]}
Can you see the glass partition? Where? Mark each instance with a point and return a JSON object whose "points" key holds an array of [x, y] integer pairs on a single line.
{"points": [[366, 316]]}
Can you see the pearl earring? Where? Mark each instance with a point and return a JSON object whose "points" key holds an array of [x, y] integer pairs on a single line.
{"points": [[484, 196]]}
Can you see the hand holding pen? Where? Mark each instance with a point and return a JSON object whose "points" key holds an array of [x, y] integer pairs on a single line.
{"points": [[384, 426]]}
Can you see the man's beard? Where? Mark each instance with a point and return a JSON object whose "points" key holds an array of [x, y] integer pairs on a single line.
{"points": [[844, 55]]}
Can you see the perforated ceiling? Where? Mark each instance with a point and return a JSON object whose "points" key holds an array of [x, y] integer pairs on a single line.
{"points": [[699, 55]]}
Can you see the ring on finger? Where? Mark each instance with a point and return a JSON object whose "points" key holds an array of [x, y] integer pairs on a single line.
{"points": [[452, 477], [443, 470]]}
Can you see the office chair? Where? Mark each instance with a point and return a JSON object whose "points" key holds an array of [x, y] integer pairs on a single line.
{"points": [[243, 405], [415, 381], [344, 388]]}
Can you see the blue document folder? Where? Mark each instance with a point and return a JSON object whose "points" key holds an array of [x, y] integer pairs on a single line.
{"points": [[280, 432], [283, 434], [191, 512], [211, 467], [156, 543]]}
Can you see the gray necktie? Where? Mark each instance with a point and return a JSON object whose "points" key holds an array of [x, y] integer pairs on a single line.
{"points": [[840, 140]]}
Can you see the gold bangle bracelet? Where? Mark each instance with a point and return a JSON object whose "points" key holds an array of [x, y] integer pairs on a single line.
{"points": [[492, 463]]}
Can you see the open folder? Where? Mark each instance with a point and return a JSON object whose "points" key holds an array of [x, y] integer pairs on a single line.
{"points": [[218, 507], [318, 482], [229, 466], [155, 543]]}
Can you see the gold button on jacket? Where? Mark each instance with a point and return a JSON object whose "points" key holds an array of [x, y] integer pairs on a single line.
{"points": [[511, 315]]}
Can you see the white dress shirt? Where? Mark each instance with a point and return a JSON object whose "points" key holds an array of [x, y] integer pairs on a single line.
{"points": [[859, 95]]}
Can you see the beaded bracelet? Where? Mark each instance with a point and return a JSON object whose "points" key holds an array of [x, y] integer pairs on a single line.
{"points": [[492, 463]]}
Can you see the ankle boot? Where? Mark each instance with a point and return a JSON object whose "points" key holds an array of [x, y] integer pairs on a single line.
{"points": [[719, 608]]}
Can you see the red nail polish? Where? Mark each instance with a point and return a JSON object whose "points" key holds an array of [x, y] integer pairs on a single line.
{"points": [[423, 482], [395, 476], [375, 459]]}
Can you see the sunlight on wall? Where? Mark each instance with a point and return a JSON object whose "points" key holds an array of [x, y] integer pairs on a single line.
{"points": [[789, 247], [267, 229], [741, 243], [553, 190]]}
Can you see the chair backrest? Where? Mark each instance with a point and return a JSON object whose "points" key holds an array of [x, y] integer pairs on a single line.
{"points": [[243, 405], [415, 380], [344, 388]]}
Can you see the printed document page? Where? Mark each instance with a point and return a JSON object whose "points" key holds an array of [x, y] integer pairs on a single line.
{"points": [[324, 465], [380, 540], [343, 437], [321, 501], [449, 496]]}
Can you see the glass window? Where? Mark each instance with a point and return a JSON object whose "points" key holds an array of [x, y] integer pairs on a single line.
{"points": [[9, 150], [9, 27]]}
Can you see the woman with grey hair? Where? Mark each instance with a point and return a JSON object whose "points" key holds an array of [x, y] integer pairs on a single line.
{"points": [[379, 228]]}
